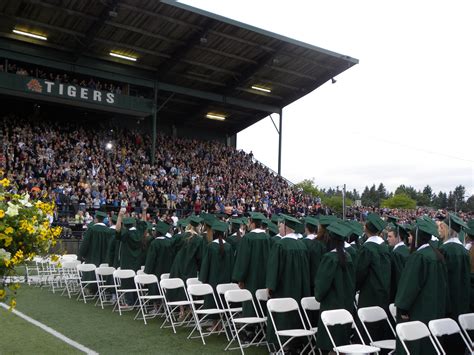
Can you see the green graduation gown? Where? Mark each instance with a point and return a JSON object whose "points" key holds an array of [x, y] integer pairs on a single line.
{"points": [[160, 257], [130, 247], [353, 253], [216, 268], [373, 273], [459, 268], [114, 251], [399, 255], [422, 292], [335, 289], [287, 276], [316, 250], [251, 264], [96, 243], [234, 241]]}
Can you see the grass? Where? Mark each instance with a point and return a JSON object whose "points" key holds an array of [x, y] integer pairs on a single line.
{"points": [[100, 330]]}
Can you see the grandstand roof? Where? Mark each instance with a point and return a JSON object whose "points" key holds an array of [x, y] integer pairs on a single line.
{"points": [[209, 62]]}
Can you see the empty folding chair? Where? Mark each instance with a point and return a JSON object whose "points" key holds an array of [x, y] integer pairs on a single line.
{"points": [[310, 304], [261, 295], [164, 276], [140, 272], [240, 323], [446, 326], [393, 311], [147, 300], [202, 314], [87, 279], [104, 276], [193, 281], [221, 289], [467, 324], [32, 271], [121, 293], [372, 315], [342, 317], [171, 306], [68, 257], [104, 265], [70, 278], [411, 331]]}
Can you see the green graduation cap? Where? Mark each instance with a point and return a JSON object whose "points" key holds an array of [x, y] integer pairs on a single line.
{"points": [[128, 221], [426, 226], [183, 222], [377, 222], [162, 227], [100, 214], [311, 221], [273, 228], [114, 219], [291, 222], [220, 226], [339, 230], [403, 230], [356, 228], [326, 220], [149, 226], [244, 220], [256, 216], [195, 220], [275, 218], [236, 221], [392, 219], [470, 228], [455, 223], [221, 215]]}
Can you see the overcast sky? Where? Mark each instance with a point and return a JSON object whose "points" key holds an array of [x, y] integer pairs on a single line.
{"points": [[403, 115]]}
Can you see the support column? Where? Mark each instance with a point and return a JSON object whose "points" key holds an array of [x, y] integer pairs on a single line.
{"points": [[153, 118], [279, 141]]}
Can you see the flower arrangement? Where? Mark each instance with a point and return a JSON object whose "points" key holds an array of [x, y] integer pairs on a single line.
{"points": [[25, 232]]}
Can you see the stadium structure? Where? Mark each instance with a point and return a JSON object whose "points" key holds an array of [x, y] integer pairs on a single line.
{"points": [[183, 71]]}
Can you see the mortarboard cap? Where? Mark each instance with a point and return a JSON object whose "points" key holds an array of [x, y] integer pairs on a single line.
{"points": [[114, 219], [311, 221], [455, 223], [356, 228], [195, 220], [256, 216], [272, 227], [427, 226], [470, 228], [291, 222], [220, 226], [339, 230], [100, 214], [276, 218], [392, 219], [326, 220], [236, 221], [375, 220], [128, 221], [162, 227]]}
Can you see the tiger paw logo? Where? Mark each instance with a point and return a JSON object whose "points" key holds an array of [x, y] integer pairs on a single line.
{"points": [[34, 85]]}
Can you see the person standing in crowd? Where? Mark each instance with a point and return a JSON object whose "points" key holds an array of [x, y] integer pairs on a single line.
{"points": [[251, 260], [399, 252], [469, 241], [335, 285], [315, 247], [96, 242], [236, 234], [287, 274], [217, 263], [422, 290]]}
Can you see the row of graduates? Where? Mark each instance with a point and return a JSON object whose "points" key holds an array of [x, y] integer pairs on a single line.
{"points": [[331, 262]]}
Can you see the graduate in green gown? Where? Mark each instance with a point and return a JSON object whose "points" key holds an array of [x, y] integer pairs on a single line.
{"points": [[315, 247], [469, 241], [217, 263], [355, 236], [251, 260], [235, 234], [160, 254], [113, 254], [335, 285], [287, 274], [276, 221], [422, 290], [96, 242], [399, 252]]}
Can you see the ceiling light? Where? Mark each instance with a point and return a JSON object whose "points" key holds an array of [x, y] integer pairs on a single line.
{"points": [[214, 116], [126, 57], [259, 88], [32, 35]]}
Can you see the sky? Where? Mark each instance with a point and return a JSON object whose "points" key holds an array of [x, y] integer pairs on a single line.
{"points": [[403, 115]]}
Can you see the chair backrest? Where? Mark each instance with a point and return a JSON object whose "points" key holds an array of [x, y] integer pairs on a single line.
{"points": [[310, 304], [164, 276], [336, 316], [105, 270], [236, 296], [261, 295], [103, 265], [221, 289], [85, 267], [444, 326], [142, 268], [410, 331], [282, 305], [140, 272], [200, 290], [124, 274], [170, 284], [371, 314], [466, 321], [393, 310], [193, 281], [69, 257], [145, 279], [72, 264]]}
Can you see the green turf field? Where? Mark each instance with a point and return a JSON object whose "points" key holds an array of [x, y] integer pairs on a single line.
{"points": [[100, 330]]}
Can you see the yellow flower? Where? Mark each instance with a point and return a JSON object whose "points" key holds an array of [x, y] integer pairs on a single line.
{"points": [[12, 304], [2, 294], [5, 182], [2, 213], [8, 230]]}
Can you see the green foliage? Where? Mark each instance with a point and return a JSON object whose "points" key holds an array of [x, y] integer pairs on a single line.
{"points": [[309, 187], [400, 200], [335, 203]]}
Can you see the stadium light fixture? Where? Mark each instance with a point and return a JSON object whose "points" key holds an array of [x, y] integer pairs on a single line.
{"points": [[215, 116], [32, 35], [121, 56], [260, 88], [109, 146]]}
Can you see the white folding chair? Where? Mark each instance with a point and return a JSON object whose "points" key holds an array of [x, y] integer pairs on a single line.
{"points": [[285, 305], [70, 278], [68, 257], [171, 306], [193, 281], [309, 304], [143, 283], [393, 311], [240, 323], [119, 276], [261, 295], [33, 271], [447, 326], [342, 316], [466, 321], [104, 274], [104, 265], [372, 315], [164, 276], [201, 314], [83, 270], [140, 272], [221, 289], [411, 331]]}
